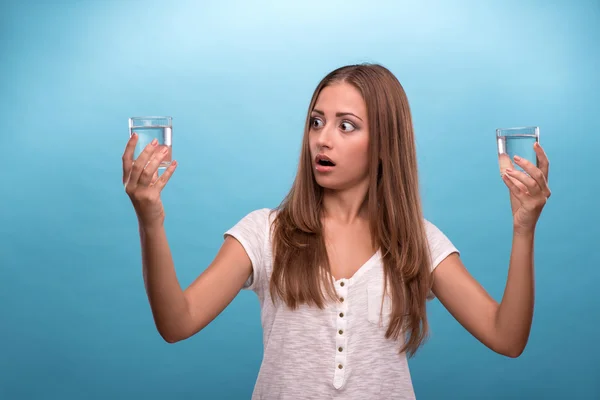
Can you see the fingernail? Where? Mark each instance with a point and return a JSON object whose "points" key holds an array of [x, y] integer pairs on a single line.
{"points": [[154, 142], [509, 170], [517, 158], [164, 150]]}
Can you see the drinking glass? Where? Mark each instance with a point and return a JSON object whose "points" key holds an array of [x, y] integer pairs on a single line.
{"points": [[516, 141], [149, 128]]}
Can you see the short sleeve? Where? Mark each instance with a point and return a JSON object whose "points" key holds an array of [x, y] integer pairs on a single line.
{"points": [[252, 232], [440, 247]]}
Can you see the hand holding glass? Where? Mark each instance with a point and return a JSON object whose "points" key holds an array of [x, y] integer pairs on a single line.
{"points": [[149, 128], [516, 141]]}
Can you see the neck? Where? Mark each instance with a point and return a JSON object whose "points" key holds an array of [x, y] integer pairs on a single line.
{"points": [[346, 206]]}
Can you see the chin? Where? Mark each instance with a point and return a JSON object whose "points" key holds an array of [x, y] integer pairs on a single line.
{"points": [[331, 183], [326, 182]]}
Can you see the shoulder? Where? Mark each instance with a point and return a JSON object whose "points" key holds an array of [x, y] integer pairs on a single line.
{"points": [[252, 232], [258, 216], [431, 230], [256, 222], [440, 245]]}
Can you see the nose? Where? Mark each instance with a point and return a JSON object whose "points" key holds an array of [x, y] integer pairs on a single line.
{"points": [[325, 137]]}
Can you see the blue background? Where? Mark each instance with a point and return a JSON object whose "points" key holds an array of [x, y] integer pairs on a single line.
{"points": [[237, 78]]}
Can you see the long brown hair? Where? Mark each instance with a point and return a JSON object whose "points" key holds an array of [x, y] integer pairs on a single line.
{"points": [[301, 273]]}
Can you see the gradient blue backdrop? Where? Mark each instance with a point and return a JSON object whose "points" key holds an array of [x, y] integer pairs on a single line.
{"points": [[237, 78]]}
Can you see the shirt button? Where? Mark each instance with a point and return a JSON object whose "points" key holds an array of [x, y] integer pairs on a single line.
{"points": [[340, 366], [340, 349], [340, 331], [342, 299], [341, 283], [341, 315]]}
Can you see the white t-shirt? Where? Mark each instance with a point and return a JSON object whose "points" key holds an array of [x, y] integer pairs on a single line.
{"points": [[337, 353]]}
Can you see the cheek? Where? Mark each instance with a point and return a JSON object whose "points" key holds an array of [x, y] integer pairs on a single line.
{"points": [[311, 141], [360, 152], [311, 144]]}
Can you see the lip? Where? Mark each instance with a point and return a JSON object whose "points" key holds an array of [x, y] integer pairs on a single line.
{"points": [[323, 168]]}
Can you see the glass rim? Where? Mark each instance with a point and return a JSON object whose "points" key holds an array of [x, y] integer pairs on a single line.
{"points": [[139, 122], [505, 131], [151, 117]]}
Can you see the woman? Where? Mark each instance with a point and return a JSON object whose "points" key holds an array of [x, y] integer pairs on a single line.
{"points": [[344, 266]]}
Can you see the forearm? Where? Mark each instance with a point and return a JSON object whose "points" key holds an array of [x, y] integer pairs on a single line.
{"points": [[168, 304], [515, 313]]}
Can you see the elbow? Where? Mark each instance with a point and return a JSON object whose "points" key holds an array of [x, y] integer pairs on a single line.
{"points": [[171, 337], [510, 343], [512, 350], [175, 330], [514, 353]]}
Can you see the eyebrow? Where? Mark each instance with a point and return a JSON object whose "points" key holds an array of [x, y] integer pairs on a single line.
{"points": [[338, 114]]}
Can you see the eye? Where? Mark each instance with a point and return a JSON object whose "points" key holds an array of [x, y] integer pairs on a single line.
{"points": [[316, 123], [347, 126]]}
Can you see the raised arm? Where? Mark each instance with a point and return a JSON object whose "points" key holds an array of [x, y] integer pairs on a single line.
{"points": [[177, 314], [180, 314], [503, 327]]}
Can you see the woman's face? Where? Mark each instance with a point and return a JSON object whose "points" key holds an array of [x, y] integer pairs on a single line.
{"points": [[339, 137]]}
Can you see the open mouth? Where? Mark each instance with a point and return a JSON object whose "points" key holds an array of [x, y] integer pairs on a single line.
{"points": [[324, 161]]}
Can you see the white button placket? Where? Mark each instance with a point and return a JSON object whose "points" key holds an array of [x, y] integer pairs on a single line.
{"points": [[341, 334]]}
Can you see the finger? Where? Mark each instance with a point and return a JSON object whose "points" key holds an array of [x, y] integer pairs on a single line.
{"points": [[128, 156], [520, 185], [151, 168], [141, 161], [164, 178], [528, 182], [513, 186], [504, 162], [543, 163], [533, 171]]}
